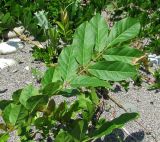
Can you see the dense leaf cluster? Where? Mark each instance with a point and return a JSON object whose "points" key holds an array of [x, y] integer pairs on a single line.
{"points": [[97, 56]]}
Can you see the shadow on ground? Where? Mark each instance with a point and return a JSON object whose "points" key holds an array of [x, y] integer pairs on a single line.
{"points": [[119, 136]]}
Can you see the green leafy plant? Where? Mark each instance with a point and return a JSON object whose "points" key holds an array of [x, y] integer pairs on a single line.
{"points": [[147, 11], [156, 83], [84, 68]]}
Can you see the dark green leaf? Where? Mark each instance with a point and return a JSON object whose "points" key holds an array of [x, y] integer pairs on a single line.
{"points": [[36, 102], [51, 88], [4, 103], [108, 127]]}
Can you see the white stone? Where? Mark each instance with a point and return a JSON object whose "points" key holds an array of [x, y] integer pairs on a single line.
{"points": [[158, 58], [6, 63], [151, 55], [153, 61], [27, 68], [11, 46], [12, 34]]}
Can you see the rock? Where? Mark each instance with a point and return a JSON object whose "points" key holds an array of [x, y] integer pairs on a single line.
{"points": [[12, 34], [158, 58], [154, 59], [11, 46], [6, 63], [27, 68]]}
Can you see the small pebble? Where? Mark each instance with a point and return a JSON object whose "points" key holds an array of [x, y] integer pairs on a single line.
{"points": [[14, 71], [27, 68], [151, 103]]}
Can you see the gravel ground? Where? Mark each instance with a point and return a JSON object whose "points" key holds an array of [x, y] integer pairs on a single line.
{"points": [[141, 100], [147, 104]]}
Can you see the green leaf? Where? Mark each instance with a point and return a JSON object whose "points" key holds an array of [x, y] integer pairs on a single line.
{"points": [[100, 28], [124, 54], [64, 136], [41, 122], [51, 88], [4, 137], [14, 113], [51, 106], [4, 103], [16, 95], [3, 127], [51, 75], [94, 97], [87, 81], [71, 110], [79, 129], [35, 102], [123, 30], [108, 127], [87, 106], [42, 19], [26, 93], [60, 111], [83, 43], [112, 70], [67, 63]]}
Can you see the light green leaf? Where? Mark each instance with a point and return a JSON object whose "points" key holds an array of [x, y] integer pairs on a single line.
{"points": [[83, 43], [26, 93], [42, 19], [67, 63], [119, 122], [87, 105], [4, 137], [87, 81], [100, 28], [112, 70], [64, 136], [123, 30], [51, 75], [124, 54], [14, 113]]}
